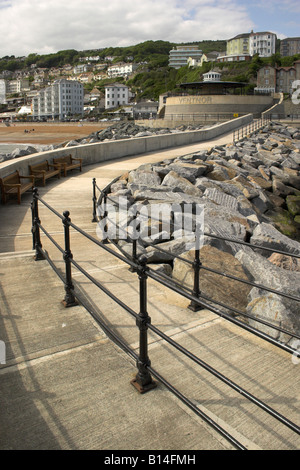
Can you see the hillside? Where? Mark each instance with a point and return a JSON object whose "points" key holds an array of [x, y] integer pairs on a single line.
{"points": [[154, 76]]}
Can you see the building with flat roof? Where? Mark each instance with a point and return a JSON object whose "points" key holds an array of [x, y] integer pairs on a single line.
{"points": [[58, 101], [179, 56]]}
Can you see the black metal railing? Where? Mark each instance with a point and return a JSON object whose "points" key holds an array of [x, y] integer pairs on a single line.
{"points": [[143, 380], [250, 128], [203, 117], [197, 299]]}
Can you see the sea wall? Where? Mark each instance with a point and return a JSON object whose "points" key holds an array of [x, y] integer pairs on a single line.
{"points": [[110, 150]]}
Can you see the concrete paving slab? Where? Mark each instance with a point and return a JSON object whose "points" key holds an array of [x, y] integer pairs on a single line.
{"points": [[66, 385]]}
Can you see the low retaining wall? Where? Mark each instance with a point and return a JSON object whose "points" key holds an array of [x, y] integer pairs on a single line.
{"points": [[218, 104], [104, 151]]}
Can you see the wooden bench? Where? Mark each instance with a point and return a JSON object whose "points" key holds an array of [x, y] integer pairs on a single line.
{"points": [[68, 163], [12, 184], [44, 171]]}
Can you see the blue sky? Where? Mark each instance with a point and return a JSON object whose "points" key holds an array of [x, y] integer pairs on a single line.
{"points": [[282, 17], [46, 26]]}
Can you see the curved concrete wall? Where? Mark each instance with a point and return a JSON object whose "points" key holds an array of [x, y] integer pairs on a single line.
{"points": [[104, 151], [202, 104]]}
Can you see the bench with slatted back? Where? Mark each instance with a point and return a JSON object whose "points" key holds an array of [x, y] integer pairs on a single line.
{"points": [[44, 171], [68, 163], [15, 184]]}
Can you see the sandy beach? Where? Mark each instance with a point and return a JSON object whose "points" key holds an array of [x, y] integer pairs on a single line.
{"points": [[47, 133]]}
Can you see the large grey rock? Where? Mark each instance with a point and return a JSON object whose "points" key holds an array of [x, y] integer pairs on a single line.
{"points": [[275, 310], [189, 171], [265, 235], [221, 198], [214, 286], [267, 274], [170, 249], [174, 180], [215, 229], [279, 310], [148, 178]]}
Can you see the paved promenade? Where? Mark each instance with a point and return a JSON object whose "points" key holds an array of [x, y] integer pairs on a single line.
{"points": [[66, 386]]}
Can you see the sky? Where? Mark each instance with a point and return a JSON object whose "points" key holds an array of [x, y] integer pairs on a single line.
{"points": [[48, 26]]}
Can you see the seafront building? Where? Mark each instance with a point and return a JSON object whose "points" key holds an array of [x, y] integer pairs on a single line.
{"points": [[58, 101]]}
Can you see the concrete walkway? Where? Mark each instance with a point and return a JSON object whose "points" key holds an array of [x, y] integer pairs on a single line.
{"points": [[66, 385]]}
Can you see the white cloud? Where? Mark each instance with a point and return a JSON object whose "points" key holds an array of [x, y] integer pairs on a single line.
{"points": [[49, 26]]}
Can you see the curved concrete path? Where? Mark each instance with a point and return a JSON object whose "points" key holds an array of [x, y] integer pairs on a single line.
{"points": [[66, 385]]}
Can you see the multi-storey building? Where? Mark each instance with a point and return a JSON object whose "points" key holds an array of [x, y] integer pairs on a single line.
{"points": [[263, 44], [249, 44], [179, 56], [61, 99], [266, 80], [278, 79], [238, 46], [121, 70], [290, 46], [2, 92], [82, 68], [17, 86], [116, 95]]}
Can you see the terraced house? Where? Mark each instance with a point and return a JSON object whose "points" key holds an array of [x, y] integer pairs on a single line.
{"points": [[278, 79]]}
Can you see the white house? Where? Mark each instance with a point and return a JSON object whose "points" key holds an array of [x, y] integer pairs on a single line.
{"points": [[61, 99], [262, 44], [121, 70], [116, 95]]}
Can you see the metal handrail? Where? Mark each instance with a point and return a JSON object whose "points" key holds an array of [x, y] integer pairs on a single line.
{"points": [[143, 381], [249, 128], [229, 276], [142, 318]]}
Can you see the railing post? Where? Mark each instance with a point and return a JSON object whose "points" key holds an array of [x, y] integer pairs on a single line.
{"points": [[94, 201], [134, 243], [134, 255], [195, 307], [69, 300], [35, 227], [104, 217], [143, 381], [32, 225]]}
